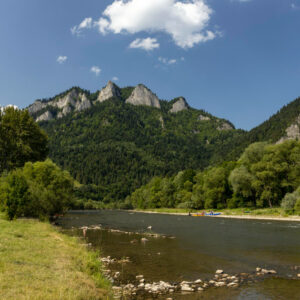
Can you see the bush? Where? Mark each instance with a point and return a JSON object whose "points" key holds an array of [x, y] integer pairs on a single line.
{"points": [[38, 190], [291, 201]]}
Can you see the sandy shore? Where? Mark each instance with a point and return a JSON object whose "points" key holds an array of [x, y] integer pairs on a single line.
{"points": [[246, 217]]}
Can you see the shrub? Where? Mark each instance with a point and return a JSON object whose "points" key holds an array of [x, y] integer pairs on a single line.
{"points": [[291, 201], [38, 190]]}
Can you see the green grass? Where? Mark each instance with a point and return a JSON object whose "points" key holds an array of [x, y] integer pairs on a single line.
{"points": [[267, 212], [39, 262]]}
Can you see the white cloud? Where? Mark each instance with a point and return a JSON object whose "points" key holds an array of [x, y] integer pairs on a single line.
{"points": [[167, 61], [115, 78], [147, 44], [2, 108], [96, 70], [186, 21], [61, 59], [87, 23]]}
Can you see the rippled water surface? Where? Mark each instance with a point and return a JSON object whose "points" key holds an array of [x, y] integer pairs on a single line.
{"points": [[192, 248]]}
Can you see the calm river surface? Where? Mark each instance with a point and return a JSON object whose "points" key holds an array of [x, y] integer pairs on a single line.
{"points": [[195, 248]]}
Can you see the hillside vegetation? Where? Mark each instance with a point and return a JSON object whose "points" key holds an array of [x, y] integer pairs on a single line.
{"points": [[113, 147], [264, 176], [118, 147]]}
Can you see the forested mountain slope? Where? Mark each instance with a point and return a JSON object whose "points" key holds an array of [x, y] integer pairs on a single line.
{"points": [[120, 144], [117, 139], [284, 125]]}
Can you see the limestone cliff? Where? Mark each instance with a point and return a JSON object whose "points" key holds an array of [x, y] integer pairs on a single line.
{"points": [[225, 126], [179, 105], [143, 96], [292, 132], [36, 106], [46, 116], [203, 118], [111, 90], [72, 101]]}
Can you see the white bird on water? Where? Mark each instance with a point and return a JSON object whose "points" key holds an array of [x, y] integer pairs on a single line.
{"points": [[149, 227]]}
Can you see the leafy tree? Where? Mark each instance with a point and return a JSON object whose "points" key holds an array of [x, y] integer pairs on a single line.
{"points": [[21, 139], [241, 181], [39, 189]]}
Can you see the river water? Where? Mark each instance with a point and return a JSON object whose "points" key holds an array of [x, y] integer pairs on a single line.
{"points": [[189, 248]]}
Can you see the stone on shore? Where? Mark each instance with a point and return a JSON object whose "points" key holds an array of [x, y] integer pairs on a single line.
{"points": [[232, 284], [186, 288], [265, 271], [219, 272]]}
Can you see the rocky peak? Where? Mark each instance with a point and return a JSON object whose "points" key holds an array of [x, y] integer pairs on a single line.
{"points": [[46, 116], [292, 132], [82, 103], [111, 90], [203, 118], [36, 106], [143, 96], [179, 105], [225, 126], [69, 99]]}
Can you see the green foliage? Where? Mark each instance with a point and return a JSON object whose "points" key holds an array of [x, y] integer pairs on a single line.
{"points": [[119, 147], [291, 201], [39, 189], [264, 175], [21, 139], [270, 131]]}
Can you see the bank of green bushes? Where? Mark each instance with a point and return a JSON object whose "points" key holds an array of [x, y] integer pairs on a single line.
{"points": [[38, 190], [266, 175]]}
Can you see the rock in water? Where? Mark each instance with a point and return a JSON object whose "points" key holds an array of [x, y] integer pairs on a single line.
{"points": [[179, 105], [143, 96], [111, 90]]}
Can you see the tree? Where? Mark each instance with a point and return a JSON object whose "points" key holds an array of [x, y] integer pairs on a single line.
{"points": [[21, 139], [37, 190], [241, 181]]}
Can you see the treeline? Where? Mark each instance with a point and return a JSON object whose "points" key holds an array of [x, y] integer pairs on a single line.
{"points": [[28, 187], [265, 176]]}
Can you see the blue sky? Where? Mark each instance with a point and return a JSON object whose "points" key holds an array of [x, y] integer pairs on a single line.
{"points": [[239, 60]]}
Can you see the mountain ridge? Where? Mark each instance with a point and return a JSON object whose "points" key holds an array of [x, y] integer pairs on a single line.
{"points": [[117, 145], [77, 99]]}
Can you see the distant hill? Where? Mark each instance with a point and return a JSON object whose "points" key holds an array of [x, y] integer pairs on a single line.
{"points": [[284, 125], [119, 138]]}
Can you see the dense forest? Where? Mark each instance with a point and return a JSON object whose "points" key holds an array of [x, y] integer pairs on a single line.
{"points": [[115, 148], [265, 176], [271, 130]]}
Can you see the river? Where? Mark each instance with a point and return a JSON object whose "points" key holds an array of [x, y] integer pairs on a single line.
{"points": [[189, 248]]}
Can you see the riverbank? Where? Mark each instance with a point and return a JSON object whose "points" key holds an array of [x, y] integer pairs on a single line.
{"points": [[39, 262], [274, 214]]}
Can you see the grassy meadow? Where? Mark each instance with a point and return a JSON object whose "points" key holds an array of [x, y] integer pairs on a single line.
{"points": [[38, 262]]}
